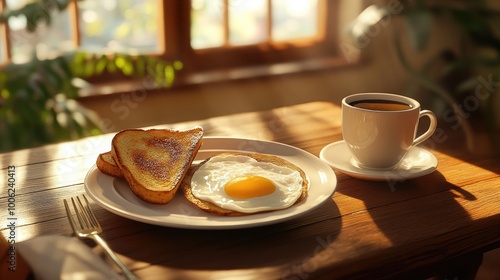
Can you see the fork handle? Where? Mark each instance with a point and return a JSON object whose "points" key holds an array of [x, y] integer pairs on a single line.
{"points": [[126, 272]]}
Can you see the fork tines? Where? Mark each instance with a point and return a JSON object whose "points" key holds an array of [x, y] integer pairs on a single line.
{"points": [[84, 213]]}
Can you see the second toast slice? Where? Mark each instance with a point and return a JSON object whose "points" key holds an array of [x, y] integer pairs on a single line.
{"points": [[155, 161], [107, 165]]}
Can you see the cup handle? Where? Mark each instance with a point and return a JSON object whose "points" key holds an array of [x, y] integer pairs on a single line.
{"points": [[430, 130]]}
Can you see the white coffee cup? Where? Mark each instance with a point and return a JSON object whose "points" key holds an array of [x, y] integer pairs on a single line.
{"points": [[379, 135]]}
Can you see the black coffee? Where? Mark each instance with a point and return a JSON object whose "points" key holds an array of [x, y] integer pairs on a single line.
{"points": [[381, 105]]}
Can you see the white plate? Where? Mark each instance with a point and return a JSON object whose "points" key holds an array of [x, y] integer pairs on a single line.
{"points": [[114, 194], [417, 162]]}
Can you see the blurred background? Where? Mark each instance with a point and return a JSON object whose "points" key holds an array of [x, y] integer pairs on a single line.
{"points": [[70, 69]]}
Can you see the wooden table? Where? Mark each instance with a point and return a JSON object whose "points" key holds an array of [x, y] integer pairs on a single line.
{"points": [[366, 230]]}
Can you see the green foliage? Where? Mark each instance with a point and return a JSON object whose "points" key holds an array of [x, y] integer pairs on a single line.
{"points": [[37, 105], [38, 99], [161, 72]]}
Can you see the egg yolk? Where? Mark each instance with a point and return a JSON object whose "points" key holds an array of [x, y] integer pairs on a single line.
{"points": [[249, 186]]}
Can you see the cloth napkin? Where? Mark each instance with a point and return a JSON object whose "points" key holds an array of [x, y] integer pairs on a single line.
{"points": [[13, 265], [62, 257]]}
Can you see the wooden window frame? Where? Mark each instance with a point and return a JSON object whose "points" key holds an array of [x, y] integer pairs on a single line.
{"points": [[174, 37], [4, 35], [325, 45]]}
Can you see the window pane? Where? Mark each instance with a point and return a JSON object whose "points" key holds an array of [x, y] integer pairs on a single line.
{"points": [[293, 19], [119, 26], [48, 40], [247, 21], [207, 23]]}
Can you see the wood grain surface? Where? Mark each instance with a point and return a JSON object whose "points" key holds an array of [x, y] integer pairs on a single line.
{"points": [[406, 229]]}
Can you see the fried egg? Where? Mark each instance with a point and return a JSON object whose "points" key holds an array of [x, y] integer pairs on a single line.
{"points": [[241, 183]]}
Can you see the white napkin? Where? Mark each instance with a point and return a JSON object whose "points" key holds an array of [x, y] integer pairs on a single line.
{"points": [[61, 257]]}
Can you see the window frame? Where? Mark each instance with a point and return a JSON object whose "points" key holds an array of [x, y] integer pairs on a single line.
{"points": [[5, 37], [174, 40], [219, 58]]}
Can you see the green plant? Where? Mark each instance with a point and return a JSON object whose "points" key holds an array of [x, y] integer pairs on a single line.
{"points": [[457, 71], [38, 99], [37, 105]]}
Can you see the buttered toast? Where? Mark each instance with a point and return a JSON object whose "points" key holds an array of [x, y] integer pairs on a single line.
{"points": [[154, 162], [107, 165]]}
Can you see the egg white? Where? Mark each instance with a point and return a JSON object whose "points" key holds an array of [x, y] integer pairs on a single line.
{"points": [[208, 182]]}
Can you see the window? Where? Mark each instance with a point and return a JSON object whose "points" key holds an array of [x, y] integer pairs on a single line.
{"points": [[203, 34], [235, 33], [128, 26], [251, 22], [119, 26], [47, 41]]}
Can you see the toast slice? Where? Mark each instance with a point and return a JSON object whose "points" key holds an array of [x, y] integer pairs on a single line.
{"points": [[155, 161], [107, 165]]}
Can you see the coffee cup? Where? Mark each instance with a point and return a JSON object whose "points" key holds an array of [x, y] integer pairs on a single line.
{"points": [[380, 128]]}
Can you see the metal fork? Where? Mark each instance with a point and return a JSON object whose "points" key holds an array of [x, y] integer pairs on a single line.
{"points": [[87, 226]]}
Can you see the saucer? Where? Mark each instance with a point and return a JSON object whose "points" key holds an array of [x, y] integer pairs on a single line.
{"points": [[417, 162]]}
